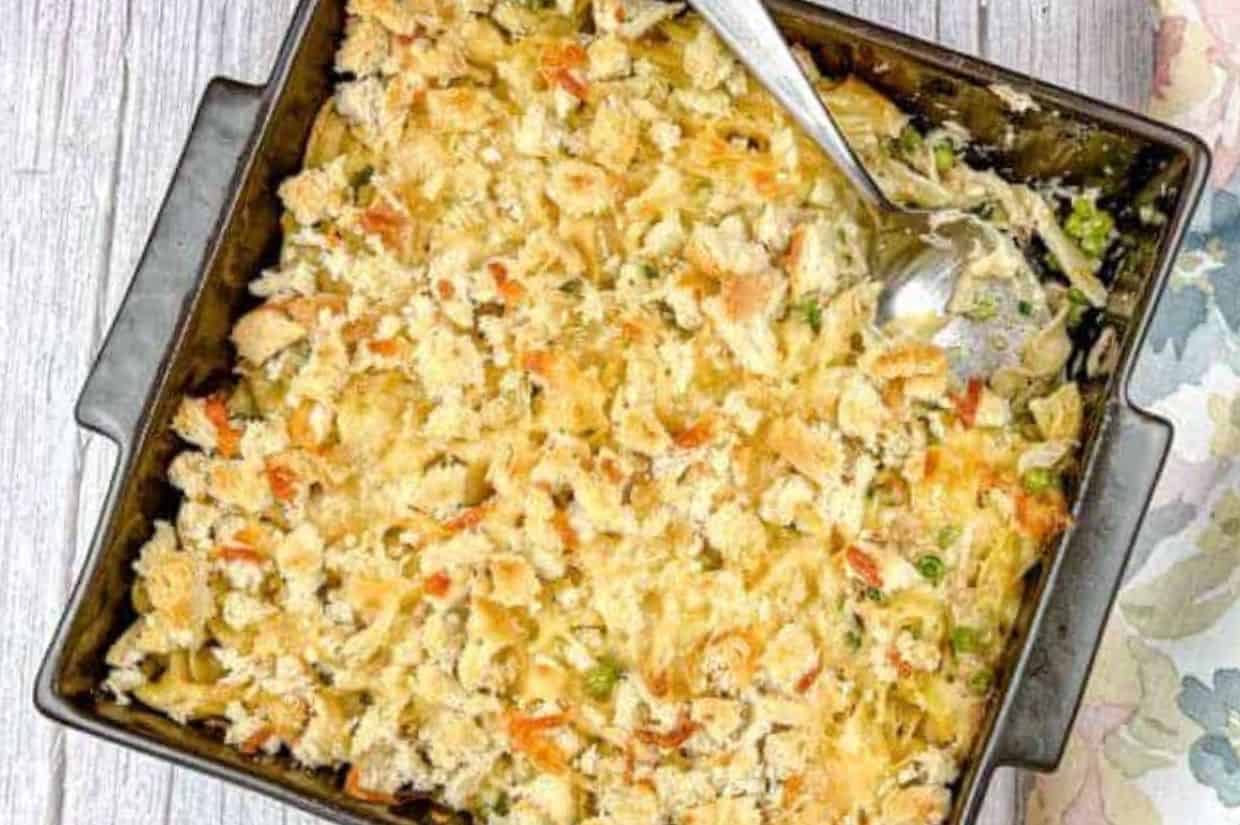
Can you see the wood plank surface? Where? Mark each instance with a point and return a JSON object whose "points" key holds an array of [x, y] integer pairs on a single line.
{"points": [[59, 169], [172, 50], [97, 99]]}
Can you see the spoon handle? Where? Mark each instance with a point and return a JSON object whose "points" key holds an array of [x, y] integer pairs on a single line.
{"points": [[747, 27]]}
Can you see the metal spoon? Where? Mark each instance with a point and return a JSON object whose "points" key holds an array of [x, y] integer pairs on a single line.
{"points": [[919, 255]]}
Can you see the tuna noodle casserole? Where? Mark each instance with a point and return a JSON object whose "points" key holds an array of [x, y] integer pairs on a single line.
{"points": [[565, 476]]}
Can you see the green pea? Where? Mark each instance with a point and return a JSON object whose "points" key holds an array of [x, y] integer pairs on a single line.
{"points": [[981, 682], [601, 679], [1077, 297], [966, 639], [1090, 226], [811, 311], [1039, 480], [1096, 243], [944, 157], [948, 536], [911, 141], [853, 639], [1025, 308], [931, 568]]}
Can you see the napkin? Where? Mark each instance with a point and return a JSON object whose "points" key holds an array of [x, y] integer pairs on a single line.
{"points": [[1157, 741]]}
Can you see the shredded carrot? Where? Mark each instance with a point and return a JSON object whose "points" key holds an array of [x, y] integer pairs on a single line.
{"points": [[242, 554], [445, 289], [468, 518], [632, 330], [227, 438], [438, 584], [559, 65], [528, 736], [571, 83], [380, 219], [1041, 516], [564, 530], [795, 245], [767, 184], [353, 787], [544, 754], [630, 763], [257, 741], [904, 668], [696, 436], [807, 681], [282, 480], [793, 786], [567, 56], [539, 362], [932, 462], [512, 291], [509, 290], [671, 739], [967, 404], [659, 682], [385, 346], [864, 565], [521, 726], [614, 474]]}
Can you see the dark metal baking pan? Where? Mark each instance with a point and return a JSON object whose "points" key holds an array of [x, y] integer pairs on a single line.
{"points": [[220, 224]]}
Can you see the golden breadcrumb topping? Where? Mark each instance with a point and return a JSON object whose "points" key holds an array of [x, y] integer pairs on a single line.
{"points": [[566, 476]]}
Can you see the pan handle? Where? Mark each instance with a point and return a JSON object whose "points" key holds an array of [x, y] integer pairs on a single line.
{"points": [[1037, 720], [119, 385]]}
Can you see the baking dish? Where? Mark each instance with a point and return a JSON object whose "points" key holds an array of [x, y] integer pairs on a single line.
{"points": [[220, 225]]}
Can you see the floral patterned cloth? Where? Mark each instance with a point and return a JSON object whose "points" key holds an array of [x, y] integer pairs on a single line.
{"points": [[1158, 739]]}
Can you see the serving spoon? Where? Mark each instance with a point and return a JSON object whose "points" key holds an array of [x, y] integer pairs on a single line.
{"points": [[919, 255]]}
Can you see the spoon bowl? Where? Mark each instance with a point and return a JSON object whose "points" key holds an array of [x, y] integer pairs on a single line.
{"points": [[920, 261], [919, 256]]}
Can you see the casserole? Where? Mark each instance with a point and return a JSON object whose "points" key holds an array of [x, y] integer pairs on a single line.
{"points": [[194, 363]]}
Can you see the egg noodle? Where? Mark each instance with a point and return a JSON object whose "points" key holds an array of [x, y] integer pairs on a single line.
{"points": [[565, 476]]}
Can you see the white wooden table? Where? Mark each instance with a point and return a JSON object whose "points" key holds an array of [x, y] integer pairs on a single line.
{"points": [[97, 98]]}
